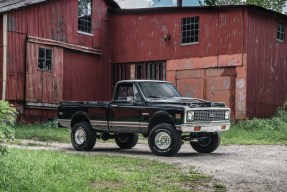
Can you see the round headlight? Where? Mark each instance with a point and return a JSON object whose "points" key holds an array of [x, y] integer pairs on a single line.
{"points": [[190, 115]]}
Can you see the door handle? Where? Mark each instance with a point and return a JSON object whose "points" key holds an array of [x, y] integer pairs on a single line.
{"points": [[114, 105]]}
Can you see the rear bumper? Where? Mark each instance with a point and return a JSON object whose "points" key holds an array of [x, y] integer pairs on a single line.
{"points": [[204, 127]]}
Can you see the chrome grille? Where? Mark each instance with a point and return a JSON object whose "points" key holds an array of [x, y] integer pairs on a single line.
{"points": [[209, 115]]}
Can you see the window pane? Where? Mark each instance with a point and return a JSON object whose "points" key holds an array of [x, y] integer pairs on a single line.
{"points": [[41, 63], [139, 71], [41, 53], [48, 53], [48, 65], [189, 30], [85, 16], [45, 59]]}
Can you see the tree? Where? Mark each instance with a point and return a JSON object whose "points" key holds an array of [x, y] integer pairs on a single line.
{"points": [[275, 5]]}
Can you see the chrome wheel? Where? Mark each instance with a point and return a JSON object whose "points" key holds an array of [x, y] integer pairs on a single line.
{"points": [[80, 136], [162, 140]]}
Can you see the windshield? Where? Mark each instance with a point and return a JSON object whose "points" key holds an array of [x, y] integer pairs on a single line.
{"points": [[158, 90]]}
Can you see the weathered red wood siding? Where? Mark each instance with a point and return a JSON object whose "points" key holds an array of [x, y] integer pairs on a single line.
{"points": [[86, 76], [138, 35], [56, 20], [267, 65]]}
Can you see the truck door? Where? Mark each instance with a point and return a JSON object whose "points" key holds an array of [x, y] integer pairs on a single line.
{"points": [[124, 116]]}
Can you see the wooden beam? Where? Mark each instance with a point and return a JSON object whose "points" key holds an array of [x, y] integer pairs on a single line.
{"points": [[51, 42]]}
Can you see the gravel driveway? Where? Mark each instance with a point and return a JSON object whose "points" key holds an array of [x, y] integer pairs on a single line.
{"points": [[238, 167]]}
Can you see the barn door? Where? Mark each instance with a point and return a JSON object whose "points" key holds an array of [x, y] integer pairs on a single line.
{"points": [[220, 86], [44, 74], [211, 84]]}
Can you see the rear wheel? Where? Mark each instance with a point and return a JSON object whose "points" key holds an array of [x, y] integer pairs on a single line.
{"points": [[164, 140], [207, 142], [126, 140], [83, 137]]}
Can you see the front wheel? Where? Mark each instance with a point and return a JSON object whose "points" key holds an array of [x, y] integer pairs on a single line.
{"points": [[164, 140], [83, 137], [126, 140], [207, 142]]}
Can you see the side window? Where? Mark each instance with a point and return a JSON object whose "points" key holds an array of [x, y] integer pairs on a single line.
{"points": [[45, 59], [189, 30], [281, 33], [125, 92], [85, 16]]}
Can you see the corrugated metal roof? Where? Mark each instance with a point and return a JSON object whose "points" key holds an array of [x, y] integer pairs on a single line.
{"points": [[7, 5], [170, 9]]}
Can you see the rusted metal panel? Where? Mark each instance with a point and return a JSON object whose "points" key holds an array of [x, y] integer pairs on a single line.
{"points": [[191, 87], [192, 63], [267, 60], [230, 60]]}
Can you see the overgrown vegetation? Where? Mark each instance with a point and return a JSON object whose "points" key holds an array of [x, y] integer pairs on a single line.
{"points": [[24, 170], [259, 131], [47, 131], [8, 116]]}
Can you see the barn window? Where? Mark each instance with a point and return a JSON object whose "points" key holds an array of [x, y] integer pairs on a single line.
{"points": [[281, 33], [45, 59], [189, 30], [85, 16], [155, 70]]}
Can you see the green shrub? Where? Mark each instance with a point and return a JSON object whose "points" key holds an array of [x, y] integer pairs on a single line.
{"points": [[8, 116]]}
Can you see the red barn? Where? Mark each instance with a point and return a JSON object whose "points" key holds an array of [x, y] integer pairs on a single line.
{"points": [[53, 50]]}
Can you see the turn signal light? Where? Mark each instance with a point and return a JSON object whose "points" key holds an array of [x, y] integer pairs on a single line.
{"points": [[223, 127], [197, 128]]}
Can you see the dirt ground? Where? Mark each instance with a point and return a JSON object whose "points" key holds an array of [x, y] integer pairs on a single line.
{"points": [[239, 168]]}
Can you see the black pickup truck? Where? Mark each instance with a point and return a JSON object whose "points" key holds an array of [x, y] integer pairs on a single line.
{"points": [[154, 109]]}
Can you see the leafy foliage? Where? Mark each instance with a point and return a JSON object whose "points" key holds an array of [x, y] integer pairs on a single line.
{"points": [[7, 121], [277, 123], [259, 131], [275, 5]]}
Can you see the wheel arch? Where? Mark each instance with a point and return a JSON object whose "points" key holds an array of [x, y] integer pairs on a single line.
{"points": [[80, 117], [160, 117]]}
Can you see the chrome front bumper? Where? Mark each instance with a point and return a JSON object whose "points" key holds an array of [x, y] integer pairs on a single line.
{"points": [[204, 127]]}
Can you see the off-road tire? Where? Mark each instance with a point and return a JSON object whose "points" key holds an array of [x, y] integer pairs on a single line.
{"points": [[208, 147], [164, 140], [83, 137], [126, 140]]}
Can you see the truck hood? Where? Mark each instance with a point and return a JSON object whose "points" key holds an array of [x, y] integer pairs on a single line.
{"points": [[185, 101]]}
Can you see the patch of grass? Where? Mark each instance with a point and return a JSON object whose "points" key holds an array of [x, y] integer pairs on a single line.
{"points": [[43, 132], [258, 131], [24, 170]]}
